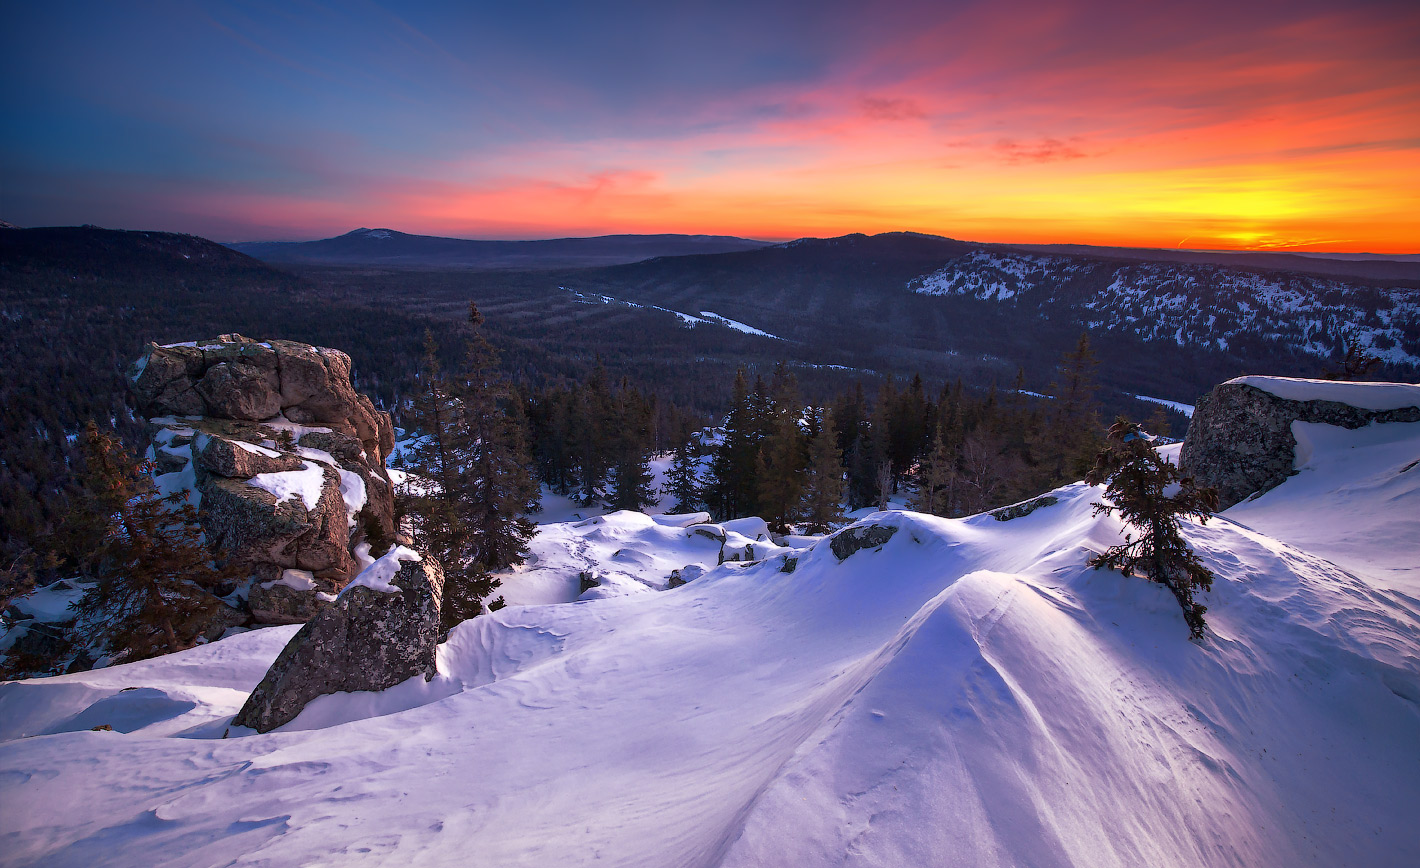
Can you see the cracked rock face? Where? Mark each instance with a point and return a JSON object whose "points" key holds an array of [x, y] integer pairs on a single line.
{"points": [[285, 461], [1240, 439], [368, 639]]}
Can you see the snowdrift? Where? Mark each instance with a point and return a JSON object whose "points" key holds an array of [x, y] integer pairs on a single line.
{"points": [[967, 693]]}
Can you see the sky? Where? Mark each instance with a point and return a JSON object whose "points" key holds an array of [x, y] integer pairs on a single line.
{"points": [[1261, 125]]}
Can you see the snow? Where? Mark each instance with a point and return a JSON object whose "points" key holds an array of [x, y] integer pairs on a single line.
{"points": [[683, 520], [300, 580], [1185, 409], [1355, 501], [377, 575], [1365, 396], [625, 553], [306, 484], [252, 448], [971, 693], [737, 326]]}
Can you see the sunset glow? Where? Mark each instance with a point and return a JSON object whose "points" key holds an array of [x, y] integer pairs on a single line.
{"points": [[1213, 125]]}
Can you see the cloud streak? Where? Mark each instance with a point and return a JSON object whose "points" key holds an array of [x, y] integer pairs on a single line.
{"points": [[1229, 124]]}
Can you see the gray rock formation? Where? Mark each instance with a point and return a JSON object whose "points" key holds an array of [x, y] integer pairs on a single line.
{"points": [[859, 537], [1240, 439], [285, 461], [372, 637]]}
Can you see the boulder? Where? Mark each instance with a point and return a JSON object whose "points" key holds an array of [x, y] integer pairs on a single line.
{"points": [[1240, 440], [251, 527], [240, 391], [243, 412], [383, 629], [858, 537], [238, 458], [233, 377], [293, 598]]}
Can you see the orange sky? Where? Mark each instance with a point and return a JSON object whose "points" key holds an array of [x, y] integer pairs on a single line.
{"points": [[1211, 125]]}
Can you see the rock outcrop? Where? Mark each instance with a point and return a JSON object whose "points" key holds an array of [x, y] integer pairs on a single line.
{"points": [[1241, 441], [858, 537], [285, 460], [382, 630]]}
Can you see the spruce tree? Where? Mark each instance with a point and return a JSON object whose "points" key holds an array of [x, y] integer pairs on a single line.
{"points": [[1136, 479], [439, 459], [733, 485], [1065, 449], [781, 455], [683, 480], [154, 578], [935, 476], [823, 481], [499, 486], [630, 448]]}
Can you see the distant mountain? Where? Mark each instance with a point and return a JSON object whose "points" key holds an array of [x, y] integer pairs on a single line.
{"points": [[391, 248], [117, 253]]}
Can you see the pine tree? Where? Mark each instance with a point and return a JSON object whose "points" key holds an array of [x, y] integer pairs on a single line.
{"points": [[683, 480], [781, 455], [823, 482], [733, 485], [592, 428], [1071, 438], [154, 578], [472, 488], [438, 460], [630, 448], [499, 487], [935, 476], [1136, 477]]}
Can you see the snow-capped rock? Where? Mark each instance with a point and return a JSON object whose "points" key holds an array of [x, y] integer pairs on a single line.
{"points": [[285, 461], [1242, 439], [382, 630]]}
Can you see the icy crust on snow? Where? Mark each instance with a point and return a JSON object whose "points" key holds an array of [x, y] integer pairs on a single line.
{"points": [[377, 575], [1363, 396], [971, 693]]}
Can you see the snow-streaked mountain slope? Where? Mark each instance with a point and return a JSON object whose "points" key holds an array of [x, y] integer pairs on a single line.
{"points": [[1193, 305], [968, 694]]}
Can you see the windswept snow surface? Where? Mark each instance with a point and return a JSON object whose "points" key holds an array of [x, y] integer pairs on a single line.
{"points": [[1366, 396], [969, 693]]}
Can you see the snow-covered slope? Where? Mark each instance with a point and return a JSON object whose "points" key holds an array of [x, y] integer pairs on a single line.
{"points": [[969, 693], [1196, 305]]}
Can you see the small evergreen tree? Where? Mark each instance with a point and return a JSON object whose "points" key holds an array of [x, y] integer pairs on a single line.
{"points": [[154, 578], [780, 461], [1136, 477], [683, 480], [733, 485], [634, 435], [1357, 363], [823, 481], [935, 475], [498, 485]]}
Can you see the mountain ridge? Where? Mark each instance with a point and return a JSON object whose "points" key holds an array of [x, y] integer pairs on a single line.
{"points": [[390, 247]]}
